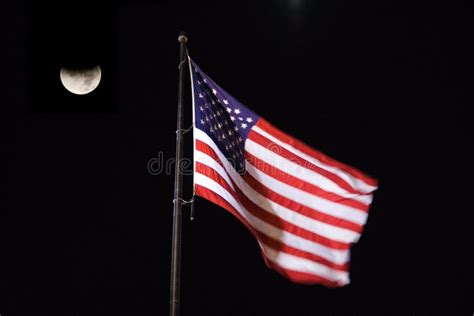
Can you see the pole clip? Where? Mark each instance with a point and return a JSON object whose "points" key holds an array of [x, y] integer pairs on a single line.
{"points": [[184, 131], [184, 202], [181, 63]]}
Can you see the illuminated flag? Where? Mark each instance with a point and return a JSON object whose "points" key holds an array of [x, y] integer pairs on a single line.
{"points": [[304, 208]]}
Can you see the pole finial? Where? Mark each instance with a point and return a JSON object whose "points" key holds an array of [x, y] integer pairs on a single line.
{"points": [[182, 38]]}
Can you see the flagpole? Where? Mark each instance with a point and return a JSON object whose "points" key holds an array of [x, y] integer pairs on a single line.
{"points": [[178, 188]]}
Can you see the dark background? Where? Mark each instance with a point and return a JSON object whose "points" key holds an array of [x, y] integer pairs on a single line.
{"points": [[385, 86]]}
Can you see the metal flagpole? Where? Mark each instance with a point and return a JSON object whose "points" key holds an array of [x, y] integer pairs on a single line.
{"points": [[178, 188]]}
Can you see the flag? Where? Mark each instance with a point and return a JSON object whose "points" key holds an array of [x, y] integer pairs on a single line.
{"points": [[304, 208]]}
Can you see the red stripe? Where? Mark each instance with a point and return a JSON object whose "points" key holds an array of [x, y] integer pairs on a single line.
{"points": [[214, 175], [274, 244], [281, 247], [217, 199], [300, 208], [268, 217], [301, 184], [302, 277], [205, 148], [269, 128], [277, 149]]}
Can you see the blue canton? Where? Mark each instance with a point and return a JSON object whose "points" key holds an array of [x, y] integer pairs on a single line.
{"points": [[222, 117]]}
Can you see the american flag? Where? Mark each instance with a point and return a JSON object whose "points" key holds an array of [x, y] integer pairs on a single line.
{"points": [[304, 208]]}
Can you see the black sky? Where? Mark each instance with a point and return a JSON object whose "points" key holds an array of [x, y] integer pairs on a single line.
{"points": [[385, 86]]}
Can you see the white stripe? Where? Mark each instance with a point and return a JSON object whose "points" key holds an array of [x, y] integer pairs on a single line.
{"points": [[290, 262], [333, 255], [307, 199], [356, 183], [301, 172], [326, 230], [201, 157], [311, 201]]}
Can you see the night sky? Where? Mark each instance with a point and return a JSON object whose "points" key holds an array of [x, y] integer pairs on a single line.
{"points": [[384, 86]]}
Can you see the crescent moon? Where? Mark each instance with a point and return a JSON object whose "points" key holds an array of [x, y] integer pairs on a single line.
{"points": [[80, 81]]}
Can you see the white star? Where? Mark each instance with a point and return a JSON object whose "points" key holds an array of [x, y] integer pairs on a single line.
{"points": [[232, 118], [229, 132], [243, 125], [225, 101], [200, 95], [223, 136], [236, 128], [213, 103], [229, 110], [220, 125], [249, 119], [214, 91], [241, 118], [237, 111], [195, 69], [205, 80], [201, 108], [202, 122], [199, 82]]}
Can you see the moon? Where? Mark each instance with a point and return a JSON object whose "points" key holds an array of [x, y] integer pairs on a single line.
{"points": [[80, 81]]}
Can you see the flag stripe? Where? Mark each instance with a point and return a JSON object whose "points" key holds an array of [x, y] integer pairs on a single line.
{"points": [[340, 237], [309, 200], [300, 171], [290, 272], [359, 180], [304, 170], [301, 197], [266, 215], [297, 165], [298, 264], [333, 255], [303, 185], [304, 278], [275, 243], [299, 208], [206, 155]]}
